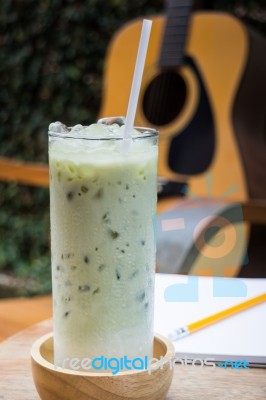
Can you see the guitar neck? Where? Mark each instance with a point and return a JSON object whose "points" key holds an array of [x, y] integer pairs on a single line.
{"points": [[175, 33]]}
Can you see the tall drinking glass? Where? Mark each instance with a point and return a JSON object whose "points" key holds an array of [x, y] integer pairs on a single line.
{"points": [[102, 202]]}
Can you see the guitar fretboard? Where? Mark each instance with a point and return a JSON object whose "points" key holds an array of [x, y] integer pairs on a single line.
{"points": [[175, 33]]}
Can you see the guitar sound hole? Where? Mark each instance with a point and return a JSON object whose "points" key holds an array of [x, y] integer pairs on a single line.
{"points": [[164, 98]]}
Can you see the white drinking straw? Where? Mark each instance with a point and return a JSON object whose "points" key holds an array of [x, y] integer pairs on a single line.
{"points": [[135, 87]]}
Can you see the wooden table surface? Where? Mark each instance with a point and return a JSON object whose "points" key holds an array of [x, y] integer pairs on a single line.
{"points": [[189, 382]]}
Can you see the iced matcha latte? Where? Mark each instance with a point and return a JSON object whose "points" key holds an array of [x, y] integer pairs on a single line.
{"points": [[103, 203]]}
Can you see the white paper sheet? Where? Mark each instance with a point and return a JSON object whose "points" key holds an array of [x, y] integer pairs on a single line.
{"points": [[242, 336]]}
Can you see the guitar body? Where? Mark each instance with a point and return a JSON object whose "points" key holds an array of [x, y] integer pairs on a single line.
{"points": [[199, 100], [209, 112]]}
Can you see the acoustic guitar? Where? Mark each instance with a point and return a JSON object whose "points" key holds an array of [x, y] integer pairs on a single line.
{"points": [[193, 88], [203, 87]]}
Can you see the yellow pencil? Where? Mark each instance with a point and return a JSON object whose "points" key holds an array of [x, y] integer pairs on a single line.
{"points": [[202, 323]]}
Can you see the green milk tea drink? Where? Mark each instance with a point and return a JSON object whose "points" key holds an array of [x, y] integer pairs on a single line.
{"points": [[103, 202]]}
